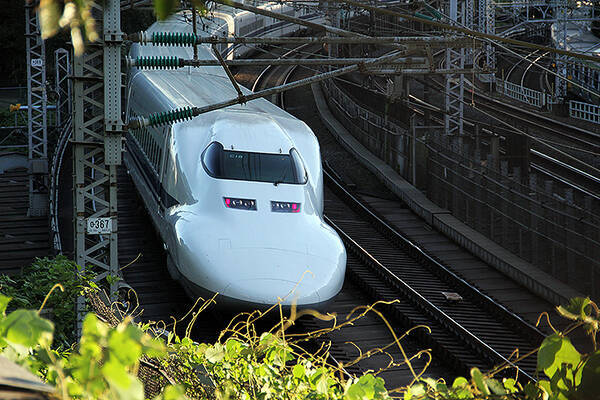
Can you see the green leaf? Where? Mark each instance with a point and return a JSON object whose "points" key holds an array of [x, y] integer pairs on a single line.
{"points": [[299, 371], [173, 392], [478, 380], [26, 329], [495, 386], [116, 374], [322, 385], [371, 387], [164, 8], [460, 382], [126, 349], [590, 377], [418, 390], [442, 387], [135, 391], [4, 300], [430, 382], [233, 348], [509, 385], [577, 308], [92, 326], [215, 354], [554, 352], [545, 385], [531, 390], [266, 339]]}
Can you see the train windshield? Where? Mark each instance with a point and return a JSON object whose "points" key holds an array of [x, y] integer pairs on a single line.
{"points": [[247, 166]]}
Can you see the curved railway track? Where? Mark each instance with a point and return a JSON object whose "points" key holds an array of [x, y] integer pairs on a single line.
{"points": [[466, 332], [547, 127], [582, 178]]}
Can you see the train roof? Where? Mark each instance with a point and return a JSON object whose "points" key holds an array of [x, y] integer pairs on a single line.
{"points": [[162, 90]]}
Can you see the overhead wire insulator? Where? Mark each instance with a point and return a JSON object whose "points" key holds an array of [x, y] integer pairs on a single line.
{"points": [[160, 62], [174, 38], [169, 117]]}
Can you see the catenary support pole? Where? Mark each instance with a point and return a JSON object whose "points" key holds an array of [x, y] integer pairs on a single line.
{"points": [[37, 116]]}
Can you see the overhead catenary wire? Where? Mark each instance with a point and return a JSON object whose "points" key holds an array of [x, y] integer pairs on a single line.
{"points": [[190, 112], [492, 39], [264, 93]]}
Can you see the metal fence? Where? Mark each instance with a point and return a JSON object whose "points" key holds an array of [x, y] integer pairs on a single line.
{"points": [[585, 111], [523, 94]]}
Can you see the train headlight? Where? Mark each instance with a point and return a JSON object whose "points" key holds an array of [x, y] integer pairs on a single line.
{"points": [[286, 207], [240, 204]]}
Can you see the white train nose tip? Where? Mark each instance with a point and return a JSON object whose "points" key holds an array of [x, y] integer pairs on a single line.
{"points": [[271, 291]]}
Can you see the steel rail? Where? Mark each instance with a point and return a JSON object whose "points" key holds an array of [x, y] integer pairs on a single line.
{"points": [[55, 168], [576, 135], [262, 74], [582, 136], [435, 265], [557, 163], [419, 300], [563, 179]]}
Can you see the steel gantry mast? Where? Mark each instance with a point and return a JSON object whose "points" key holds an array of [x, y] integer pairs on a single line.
{"points": [[37, 102], [487, 24], [560, 84], [455, 60], [97, 147], [62, 85]]}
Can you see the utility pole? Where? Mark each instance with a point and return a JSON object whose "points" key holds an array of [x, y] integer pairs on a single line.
{"points": [[37, 102], [97, 148]]}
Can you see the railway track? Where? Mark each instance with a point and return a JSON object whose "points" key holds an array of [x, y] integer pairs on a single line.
{"points": [[385, 270], [22, 237], [544, 126], [582, 178], [466, 331], [552, 167]]}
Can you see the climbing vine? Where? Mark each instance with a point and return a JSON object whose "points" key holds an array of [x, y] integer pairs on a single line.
{"points": [[247, 364]]}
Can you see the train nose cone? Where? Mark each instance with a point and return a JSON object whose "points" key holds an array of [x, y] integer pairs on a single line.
{"points": [[259, 264], [267, 276], [270, 291]]}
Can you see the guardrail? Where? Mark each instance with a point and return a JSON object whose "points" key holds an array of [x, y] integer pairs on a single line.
{"points": [[523, 94], [585, 111]]}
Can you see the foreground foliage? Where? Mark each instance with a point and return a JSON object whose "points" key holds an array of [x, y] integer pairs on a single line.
{"points": [[30, 288], [76, 17], [245, 363], [566, 373]]}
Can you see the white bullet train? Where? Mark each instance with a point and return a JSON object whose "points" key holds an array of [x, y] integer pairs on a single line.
{"points": [[236, 194]]}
